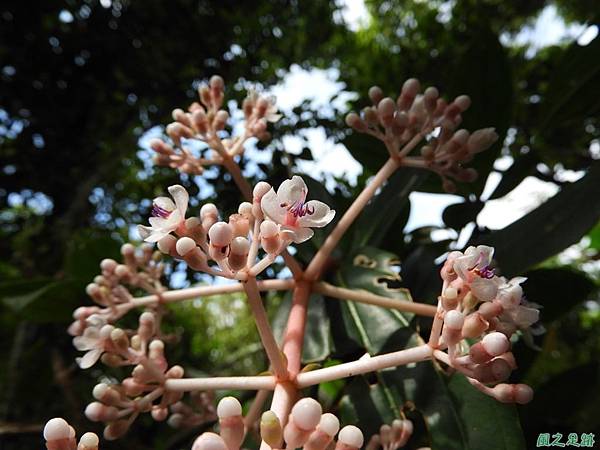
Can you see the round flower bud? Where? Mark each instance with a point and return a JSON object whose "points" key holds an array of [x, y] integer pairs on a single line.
{"points": [[185, 245], [306, 413], [229, 407], [105, 331], [127, 249], [463, 102], [268, 229], [99, 390], [56, 429], [375, 94], [209, 441], [89, 441], [454, 320], [108, 264], [489, 310], [523, 394], [245, 209], [351, 436], [92, 289], [260, 190], [208, 210], [495, 343], [122, 271], [354, 121], [220, 234], [216, 82], [167, 244], [98, 412], [474, 325], [116, 429], [385, 110], [240, 246], [159, 414], [147, 318], [329, 424]]}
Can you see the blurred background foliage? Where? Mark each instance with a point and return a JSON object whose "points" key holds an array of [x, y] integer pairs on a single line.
{"points": [[83, 82]]}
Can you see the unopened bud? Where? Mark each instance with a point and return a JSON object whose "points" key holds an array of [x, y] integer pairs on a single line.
{"points": [[209, 441], [350, 437], [375, 94], [270, 429], [474, 325], [88, 441], [116, 429]]}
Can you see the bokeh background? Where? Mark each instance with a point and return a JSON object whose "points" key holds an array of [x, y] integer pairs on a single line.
{"points": [[85, 85]]}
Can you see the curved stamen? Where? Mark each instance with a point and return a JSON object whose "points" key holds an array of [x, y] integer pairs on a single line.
{"points": [[487, 272], [157, 211]]}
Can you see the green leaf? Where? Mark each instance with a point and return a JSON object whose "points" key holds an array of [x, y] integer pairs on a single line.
{"points": [[487, 423], [458, 215], [573, 90], [559, 222], [317, 346], [557, 290], [373, 326], [389, 205], [86, 250]]}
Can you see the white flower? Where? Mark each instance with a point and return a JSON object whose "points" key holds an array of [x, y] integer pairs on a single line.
{"points": [[167, 216], [288, 208], [94, 341], [473, 267], [510, 292]]}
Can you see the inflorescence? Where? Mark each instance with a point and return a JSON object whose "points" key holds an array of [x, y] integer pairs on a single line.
{"points": [[476, 316]]}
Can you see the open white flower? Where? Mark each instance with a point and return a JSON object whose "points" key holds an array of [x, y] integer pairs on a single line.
{"points": [[167, 216], [473, 267], [289, 208]]}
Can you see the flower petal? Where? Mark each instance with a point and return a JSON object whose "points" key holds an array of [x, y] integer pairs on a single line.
{"points": [[271, 206], [83, 343], [302, 234], [292, 191], [181, 197], [320, 217], [144, 231], [484, 289], [90, 358], [164, 203]]}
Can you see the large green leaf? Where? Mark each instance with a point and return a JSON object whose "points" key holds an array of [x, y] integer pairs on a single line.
{"points": [[317, 345], [383, 210], [559, 222], [373, 326], [558, 290]]}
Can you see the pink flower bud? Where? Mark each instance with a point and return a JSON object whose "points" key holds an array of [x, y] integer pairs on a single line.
{"points": [[474, 325], [159, 414], [209, 441], [354, 121], [385, 111], [167, 244], [108, 265], [185, 245], [229, 411], [453, 323], [350, 437], [240, 225], [463, 102], [98, 412], [216, 82], [245, 209], [481, 140], [490, 309], [495, 343], [116, 429], [220, 235], [260, 190], [375, 94], [410, 89], [493, 371], [132, 387], [199, 121], [56, 429], [306, 413], [89, 441]]}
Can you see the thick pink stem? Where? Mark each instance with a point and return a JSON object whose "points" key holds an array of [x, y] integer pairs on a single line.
{"points": [[296, 325]]}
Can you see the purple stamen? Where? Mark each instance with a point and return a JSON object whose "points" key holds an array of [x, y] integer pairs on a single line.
{"points": [[157, 211], [487, 272], [298, 209]]}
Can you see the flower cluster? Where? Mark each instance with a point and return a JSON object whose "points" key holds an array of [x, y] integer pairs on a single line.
{"points": [[112, 289], [272, 221], [391, 437], [402, 124], [478, 305], [204, 121]]}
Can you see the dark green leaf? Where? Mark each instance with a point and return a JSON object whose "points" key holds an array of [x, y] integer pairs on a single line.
{"points": [[460, 214]]}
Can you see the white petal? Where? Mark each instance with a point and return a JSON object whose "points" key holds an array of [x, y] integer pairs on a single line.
{"points": [[302, 234], [525, 317], [144, 231], [83, 343], [271, 206], [484, 289], [485, 255], [90, 358], [461, 267], [169, 224], [181, 198], [320, 217], [156, 236], [165, 203], [292, 191]]}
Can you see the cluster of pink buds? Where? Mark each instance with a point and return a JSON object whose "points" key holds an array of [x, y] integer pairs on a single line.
{"points": [[141, 269], [205, 121], [272, 221], [59, 435], [478, 305], [403, 123], [307, 428], [391, 437]]}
